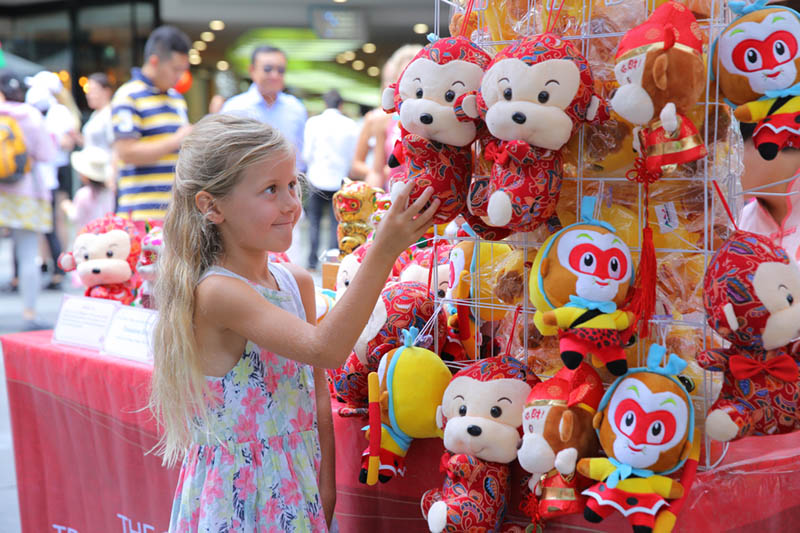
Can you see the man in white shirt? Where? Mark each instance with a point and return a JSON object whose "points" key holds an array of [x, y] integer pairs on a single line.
{"points": [[328, 146]]}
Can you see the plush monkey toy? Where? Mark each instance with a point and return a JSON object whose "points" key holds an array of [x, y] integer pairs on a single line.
{"points": [[646, 428], [752, 298], [105, 254], [756, 60], [579, 278], [435, 145]]}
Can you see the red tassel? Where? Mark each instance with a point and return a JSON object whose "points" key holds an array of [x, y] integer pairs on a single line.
{"points": [[643, 303]]}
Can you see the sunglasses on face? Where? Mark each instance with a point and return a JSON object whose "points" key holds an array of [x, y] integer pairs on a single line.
{"points": [[269, 68]]}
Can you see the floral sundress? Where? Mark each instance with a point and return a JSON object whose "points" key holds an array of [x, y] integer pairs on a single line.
{"points": [[260, 472]]}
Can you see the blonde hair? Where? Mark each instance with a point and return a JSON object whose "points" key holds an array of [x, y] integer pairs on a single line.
{"points": [[212, 158], [397, 62]]}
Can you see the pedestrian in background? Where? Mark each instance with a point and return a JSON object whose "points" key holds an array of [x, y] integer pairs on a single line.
{"points": [[328, 147]]}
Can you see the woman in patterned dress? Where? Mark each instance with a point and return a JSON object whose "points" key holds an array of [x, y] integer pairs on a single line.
{"points": [[238, 380]]}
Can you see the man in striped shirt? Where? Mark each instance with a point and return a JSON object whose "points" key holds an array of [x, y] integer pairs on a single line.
{"points": [[150, 122]]}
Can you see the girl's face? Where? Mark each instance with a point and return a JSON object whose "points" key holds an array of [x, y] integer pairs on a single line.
{"points": [[97, 96], [262, 209]]}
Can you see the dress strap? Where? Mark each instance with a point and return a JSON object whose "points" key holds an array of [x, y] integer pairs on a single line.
{"points": [[288, 283]]}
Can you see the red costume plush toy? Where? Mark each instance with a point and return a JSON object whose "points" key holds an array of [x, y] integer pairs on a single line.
{"points": [[402, 305], [481, 412], [557, 422], [534, 95], [435, 145], [105, 254], [660, 69], [752, 299], [645, 425]]}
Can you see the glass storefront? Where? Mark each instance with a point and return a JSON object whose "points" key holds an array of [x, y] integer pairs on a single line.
{"points": [[79, 39]]}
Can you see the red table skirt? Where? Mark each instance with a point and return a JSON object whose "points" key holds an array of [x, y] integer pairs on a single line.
{"points": [[81, 437]]}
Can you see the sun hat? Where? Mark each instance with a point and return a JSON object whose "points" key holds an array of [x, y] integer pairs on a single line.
{"points": [[92, 162]]}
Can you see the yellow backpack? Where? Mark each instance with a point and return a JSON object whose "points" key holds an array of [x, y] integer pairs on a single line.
{"points": [[14, 161]]}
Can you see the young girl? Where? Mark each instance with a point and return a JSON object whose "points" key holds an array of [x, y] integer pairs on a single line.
{"points": [[94, 199], [233, 381]]}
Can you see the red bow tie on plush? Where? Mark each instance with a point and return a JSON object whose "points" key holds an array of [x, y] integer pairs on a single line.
{"points": [[782, 367]]}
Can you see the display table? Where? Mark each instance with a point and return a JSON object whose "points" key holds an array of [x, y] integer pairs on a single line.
{"points": [[80, 437]]}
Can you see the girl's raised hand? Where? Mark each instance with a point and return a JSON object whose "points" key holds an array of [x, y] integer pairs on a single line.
{"points": [[403, 226]]}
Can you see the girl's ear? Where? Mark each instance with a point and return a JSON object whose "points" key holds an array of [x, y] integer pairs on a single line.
{"points": [[208, 207]]}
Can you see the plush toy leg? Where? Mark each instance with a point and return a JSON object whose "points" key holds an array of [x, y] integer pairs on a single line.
{"points": [[614, 358], [729, 420], [594, 512], [572, 350], [428, 499], [437, 517], [499, 209]]}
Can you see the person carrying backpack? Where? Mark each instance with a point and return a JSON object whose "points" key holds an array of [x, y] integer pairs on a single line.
{"points": [[24, 200]]}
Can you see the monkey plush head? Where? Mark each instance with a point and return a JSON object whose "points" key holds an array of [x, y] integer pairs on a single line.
{"points": [[646, 418], [585, 260], [758, 52], [658, 62]]}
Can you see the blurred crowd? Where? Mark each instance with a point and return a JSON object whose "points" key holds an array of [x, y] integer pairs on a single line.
{"points": [[122, 158]]}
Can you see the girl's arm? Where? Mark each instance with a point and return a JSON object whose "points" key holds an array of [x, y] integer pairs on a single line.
{"points": [[234, 305], [327, 471]]}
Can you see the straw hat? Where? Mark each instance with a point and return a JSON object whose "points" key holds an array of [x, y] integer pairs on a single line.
{"points": [[92, 162]]}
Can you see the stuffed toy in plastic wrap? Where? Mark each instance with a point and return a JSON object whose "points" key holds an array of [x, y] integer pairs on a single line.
{"points": [[353, 206], [534, 95], [580, 277], [645, 424], [105, 254], [435, 146], [481, 413], [752, 299], [557, 422], [404, 395], [472, 281], [147, 267], [402, 305], [756, 60]]}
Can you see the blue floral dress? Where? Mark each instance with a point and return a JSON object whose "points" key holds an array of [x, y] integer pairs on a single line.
{"points": [[256, 470]]}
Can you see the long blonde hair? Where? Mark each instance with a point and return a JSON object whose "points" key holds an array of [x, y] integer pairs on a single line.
{"points": [[212, 158]]}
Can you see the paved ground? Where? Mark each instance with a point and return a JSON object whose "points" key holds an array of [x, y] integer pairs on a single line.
{"points": [[48, 306]]}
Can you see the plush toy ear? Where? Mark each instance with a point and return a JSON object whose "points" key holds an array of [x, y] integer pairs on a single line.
{"points": [[67, 262], [730, 316], [439, 417], [566, 425], [387, 98], [544, 267], [466, 107], [660, 71], [597, 420]]}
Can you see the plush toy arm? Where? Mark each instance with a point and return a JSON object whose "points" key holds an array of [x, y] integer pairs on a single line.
{"points": [[566, 460], [398, 155], [753, 111], [596, 468], [666, 487], [387, 98], [716, 359], [544, 329], [67, 262], [597, 112], [637, 145], [465, 466], [623, 319], [669, 118]]}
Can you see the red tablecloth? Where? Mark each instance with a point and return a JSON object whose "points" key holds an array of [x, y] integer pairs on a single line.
{"points": [[80, 437]]}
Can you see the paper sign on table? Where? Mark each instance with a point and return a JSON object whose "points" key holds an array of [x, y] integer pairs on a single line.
{"points": [[130, 332], [83, 321]]}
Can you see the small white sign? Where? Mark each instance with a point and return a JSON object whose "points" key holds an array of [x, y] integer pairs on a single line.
{"points": [[667, 217], [130, 332], [83, 321]]}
